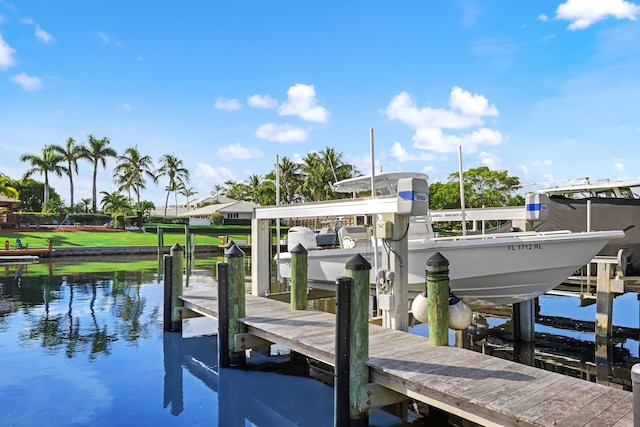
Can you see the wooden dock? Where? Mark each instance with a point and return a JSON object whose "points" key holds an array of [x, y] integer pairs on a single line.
{"points": [[483, 389]]}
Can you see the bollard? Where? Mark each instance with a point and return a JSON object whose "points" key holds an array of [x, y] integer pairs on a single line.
{"points": [[236, 297], [160, 242], [343, 332], [358, 270], [635, 380], [299, 257], [223, 315], [168, 276], [6, 245], [50, 245], [177, 254], [438, 299]]}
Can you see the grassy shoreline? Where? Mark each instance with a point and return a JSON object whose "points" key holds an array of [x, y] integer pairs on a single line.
{"points": [[61, 239]]}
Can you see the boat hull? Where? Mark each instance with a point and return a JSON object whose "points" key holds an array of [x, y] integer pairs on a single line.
{"points": [[483, 270]]}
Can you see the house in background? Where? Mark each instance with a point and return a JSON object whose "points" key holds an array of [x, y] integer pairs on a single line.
{"points": [[234, 210], [7, 207], [200, 210]]}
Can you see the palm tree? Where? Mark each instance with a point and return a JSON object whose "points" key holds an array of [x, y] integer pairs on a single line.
{"points": [[130, 171], [217, 189], [70, 153], [114, 203], [6, 189], [48, 163], [84, 205], [173, 168], [98, 152], [290, 181], [187, 192]]}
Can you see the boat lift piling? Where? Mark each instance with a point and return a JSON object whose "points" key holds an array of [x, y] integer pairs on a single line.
{"points": [[231, 307], [438, 299], [173, 307], [299, 256]]}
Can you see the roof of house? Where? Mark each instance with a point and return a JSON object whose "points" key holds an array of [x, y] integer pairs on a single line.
{"points": [[235, 206], [7, 201]]}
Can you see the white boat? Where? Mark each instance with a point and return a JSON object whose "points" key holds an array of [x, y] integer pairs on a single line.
{"points": [[599, 205], [494, 269]]}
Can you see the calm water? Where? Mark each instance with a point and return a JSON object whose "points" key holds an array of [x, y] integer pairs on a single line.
{"points": [[83, 344]]}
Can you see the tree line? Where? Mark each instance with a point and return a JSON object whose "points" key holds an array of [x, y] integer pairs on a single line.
{"points": [[307, 180]]}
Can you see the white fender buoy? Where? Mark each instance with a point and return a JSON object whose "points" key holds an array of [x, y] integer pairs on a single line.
{"points": [[460, 314], [419, 308]]}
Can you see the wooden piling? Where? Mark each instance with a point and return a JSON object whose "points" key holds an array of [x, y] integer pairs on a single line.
{"points": [[343, 340], [168, 276], [604, 300], [635, 380], [160, 242], [234, 257], [299, 264], [438, 299], [358, 270], [177, 255]]}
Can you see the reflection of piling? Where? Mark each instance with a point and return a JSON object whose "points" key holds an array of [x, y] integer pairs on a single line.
{"points": [[299, 256], [173, 289], [231, 306], [352, 342], [438, 299]]}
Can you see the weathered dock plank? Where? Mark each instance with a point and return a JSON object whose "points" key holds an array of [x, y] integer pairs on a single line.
{"points": [[483, 389]]}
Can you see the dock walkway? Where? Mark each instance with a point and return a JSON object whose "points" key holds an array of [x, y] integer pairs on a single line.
{"points": [[483, 389]]}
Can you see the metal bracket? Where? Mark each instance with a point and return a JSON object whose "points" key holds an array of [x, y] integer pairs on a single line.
{"points": [[373, 395], [246, 340]]}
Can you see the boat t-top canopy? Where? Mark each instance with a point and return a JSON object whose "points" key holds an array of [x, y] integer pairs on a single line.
{"points": [[601, 188], [386, 183]]}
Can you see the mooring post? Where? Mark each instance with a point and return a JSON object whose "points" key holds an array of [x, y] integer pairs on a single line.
{"points": [[177, 254], [635, 381], [168, 277], [160, 241], [357, 332], [343, 333], [237, 306], [50, 243], [299, 257], [6, 245], [438, 299], [223, 315], [604, 300]]}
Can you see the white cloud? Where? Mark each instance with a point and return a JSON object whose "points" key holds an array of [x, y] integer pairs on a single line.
{"points": [[107, 40], [474, 105], [209, 174], [466, 112], [301, 101], [127, 107], [262, 101], [542, 17], [281, 133], [399, 153], [27, 82], [490, 160], [546, 162], [584, 13], [228, 104], [403, 108], [432, 139], [6, 55], [618, 167], [43, 35], [237, 151]]}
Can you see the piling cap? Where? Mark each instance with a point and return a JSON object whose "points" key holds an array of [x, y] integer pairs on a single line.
{"points": [[299, 249], [177, 247], [234, 251], [229, 244], [437, 260], [358, 262]]}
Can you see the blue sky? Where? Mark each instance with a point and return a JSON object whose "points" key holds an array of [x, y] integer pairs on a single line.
{"points": [[549, 91]]}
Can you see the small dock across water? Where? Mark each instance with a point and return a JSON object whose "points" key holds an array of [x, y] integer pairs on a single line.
{"points": [[483, 389]]}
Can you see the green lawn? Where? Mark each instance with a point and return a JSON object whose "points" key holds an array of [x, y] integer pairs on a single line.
{"points": [[39, 239]]}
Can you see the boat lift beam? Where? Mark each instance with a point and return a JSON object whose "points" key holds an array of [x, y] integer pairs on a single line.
{"points": [[396, 316]]}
